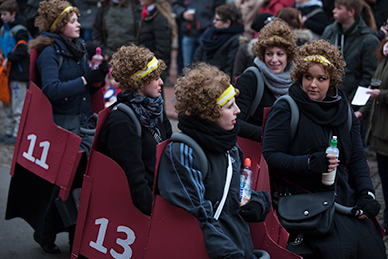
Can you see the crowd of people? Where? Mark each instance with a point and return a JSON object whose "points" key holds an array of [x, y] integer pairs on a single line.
{"points": [[235, 58]]}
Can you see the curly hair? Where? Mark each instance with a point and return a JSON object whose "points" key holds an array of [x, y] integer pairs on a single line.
{"points": [[196, 92], [49, 11], [279, 34], [325, 49], [130, 59]]}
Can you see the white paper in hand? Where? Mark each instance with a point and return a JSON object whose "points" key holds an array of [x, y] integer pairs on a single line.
{"points": [[361, 97]]}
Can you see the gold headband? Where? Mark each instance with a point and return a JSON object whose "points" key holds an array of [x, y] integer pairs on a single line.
{"points": [[319, 59], [276, 37], [67, 9], [151, 66], [226, 95]]}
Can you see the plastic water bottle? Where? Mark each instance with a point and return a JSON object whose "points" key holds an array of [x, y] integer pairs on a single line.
{"points": [[329, 177], [246, 182], [97, 58]]}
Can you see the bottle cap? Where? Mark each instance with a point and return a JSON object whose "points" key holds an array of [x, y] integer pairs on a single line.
{"points": [[247, 162], [98, 51], [334, 141]]}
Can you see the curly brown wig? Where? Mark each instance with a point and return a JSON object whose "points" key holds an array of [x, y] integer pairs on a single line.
{"points": [[196, 92], [332, 53], [130, 59], [279, 34], [51, 10]]}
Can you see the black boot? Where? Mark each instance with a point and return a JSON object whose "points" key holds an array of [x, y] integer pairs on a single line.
{"points": [[50, 248]]}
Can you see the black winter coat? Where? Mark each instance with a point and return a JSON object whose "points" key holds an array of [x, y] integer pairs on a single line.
{"points": [[251, 128], [136, 155], [155, 34]]}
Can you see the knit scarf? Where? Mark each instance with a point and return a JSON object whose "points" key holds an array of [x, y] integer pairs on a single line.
{"points": [[147, 109], [278, 84], [74, 46], [331, 114], [209, 136]]}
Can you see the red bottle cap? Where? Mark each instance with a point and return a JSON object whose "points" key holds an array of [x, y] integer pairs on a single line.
{"points": [[247, 162]]}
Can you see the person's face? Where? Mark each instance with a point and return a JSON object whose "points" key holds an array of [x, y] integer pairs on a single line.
{"points": [[385, 49], [7, 17], [220, 23], [275, 59], [72, 28], [153, 89], [341, 14], [316, 82], [229, 113]]}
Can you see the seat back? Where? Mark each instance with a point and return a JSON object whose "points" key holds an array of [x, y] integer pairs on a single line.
{"points": [[42, 147], [268, 235], [173, 232], [108, 224]]}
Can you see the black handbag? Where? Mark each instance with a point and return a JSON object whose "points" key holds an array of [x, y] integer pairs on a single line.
{"points": [[307, 213]]}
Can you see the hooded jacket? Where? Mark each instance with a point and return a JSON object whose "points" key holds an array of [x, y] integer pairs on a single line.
{"points": [[358, 45]]}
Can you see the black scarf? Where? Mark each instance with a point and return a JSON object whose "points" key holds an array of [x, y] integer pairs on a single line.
{"points": [[214, 38], [209, 136], [75, 47], [147, 109], [331, 114]]}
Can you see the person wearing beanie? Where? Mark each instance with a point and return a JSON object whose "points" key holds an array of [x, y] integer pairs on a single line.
{"points": [[68, 82], [244, 56], [275, 51], [137, 71], [207, 112], [298, 164]]}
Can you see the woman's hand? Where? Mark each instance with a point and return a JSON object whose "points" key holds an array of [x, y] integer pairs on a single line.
{"points": [[358, 115], [374, 94], [333, 160]]}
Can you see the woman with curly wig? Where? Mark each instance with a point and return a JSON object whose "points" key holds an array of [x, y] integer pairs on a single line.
{"points": [[66, 80], [138, 72], [207, 112], [296, 164], [275, 51]]}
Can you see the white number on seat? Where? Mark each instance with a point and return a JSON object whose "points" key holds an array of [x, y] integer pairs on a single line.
{"points": [[124, 243], [43, 158]]}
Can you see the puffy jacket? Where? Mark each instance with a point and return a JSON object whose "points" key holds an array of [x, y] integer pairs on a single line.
{"points": [[64, 87]]}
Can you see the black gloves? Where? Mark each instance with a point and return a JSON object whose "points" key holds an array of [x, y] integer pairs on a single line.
{"points": [[258, 208], [318, 163], [366, 205], [251, 212], [98, 75]]}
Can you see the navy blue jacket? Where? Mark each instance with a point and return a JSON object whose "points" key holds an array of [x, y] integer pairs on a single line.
{"points": [[64, 87]]}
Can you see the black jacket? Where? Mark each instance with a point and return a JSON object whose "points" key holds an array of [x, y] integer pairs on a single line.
{"points": [[135, 155], [251, 128], [219, 47], [155, 34]]}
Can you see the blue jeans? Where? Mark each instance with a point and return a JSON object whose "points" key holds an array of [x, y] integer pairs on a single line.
{"points": [[189, 45]]}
